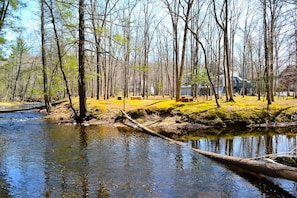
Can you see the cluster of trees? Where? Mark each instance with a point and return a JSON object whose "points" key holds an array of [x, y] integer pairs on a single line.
{"points": [[142, 47]]}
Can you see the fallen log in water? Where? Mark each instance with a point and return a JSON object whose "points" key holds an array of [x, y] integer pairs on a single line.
{"points": [[22, 109], [264, 168], [29, 108], [269, 169]]}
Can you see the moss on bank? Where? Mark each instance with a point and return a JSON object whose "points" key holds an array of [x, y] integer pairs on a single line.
{"points": [[244, 112], [9, 104]]}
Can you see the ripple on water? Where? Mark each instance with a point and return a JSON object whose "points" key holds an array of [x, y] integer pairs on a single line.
{"points": [[43, 159]]}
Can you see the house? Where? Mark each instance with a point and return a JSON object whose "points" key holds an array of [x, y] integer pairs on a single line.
{"points": [[287, 78], [237, 87], [238, 84], [186, 90]]}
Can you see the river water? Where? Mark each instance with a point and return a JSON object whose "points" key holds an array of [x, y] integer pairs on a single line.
{"points": [[43, 159]]}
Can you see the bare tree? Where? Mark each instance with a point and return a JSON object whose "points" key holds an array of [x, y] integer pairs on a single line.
{"points": [[99, 21], [271, 12], [267, 68], [59, 51], [247, 52], [174, 11], [224, 27], [206, 67], [195, 34]]}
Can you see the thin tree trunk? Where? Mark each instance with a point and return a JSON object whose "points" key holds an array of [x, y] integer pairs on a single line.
{"points": [[206, 64], [60, 57], [18, 75], [44, 67], [97, 44], [271, 49], [208, 75], [219, 67], [226, 46], [174, 12], [3, 14], [266, 51], [224, 27], [26, 87]]}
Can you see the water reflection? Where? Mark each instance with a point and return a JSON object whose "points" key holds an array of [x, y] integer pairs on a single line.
{"points": [[247, 145], [40, 159], [251, 144]]}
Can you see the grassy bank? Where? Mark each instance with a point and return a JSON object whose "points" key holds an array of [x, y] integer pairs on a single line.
{"points": [[9, 104], [245, 111]]}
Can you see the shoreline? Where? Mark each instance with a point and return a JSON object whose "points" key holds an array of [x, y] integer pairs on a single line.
{"points": [[173, 122]]}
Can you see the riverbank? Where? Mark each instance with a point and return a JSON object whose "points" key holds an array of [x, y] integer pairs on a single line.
{"points": [[167, 115]]}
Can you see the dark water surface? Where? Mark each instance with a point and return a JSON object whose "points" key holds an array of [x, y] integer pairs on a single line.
{"points": [[42, 159]]}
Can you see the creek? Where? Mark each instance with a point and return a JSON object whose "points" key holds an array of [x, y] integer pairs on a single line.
{"points": [[39, 158]]}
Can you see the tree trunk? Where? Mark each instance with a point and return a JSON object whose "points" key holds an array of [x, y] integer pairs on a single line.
{"points": [[184, 43], [206, 65], [81, 60], [19, 65], [60, 56], [43, 57], [226, 47], [26, 87], [271, 39], [97, 40], [3, 13], [266, 51], [208, 75], [174, 12], [219, 69], [224, 27]]}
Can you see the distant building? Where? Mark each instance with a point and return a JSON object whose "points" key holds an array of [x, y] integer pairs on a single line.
{"points": [[186, 90], [237, 87], [287, 79], [239, 83]]}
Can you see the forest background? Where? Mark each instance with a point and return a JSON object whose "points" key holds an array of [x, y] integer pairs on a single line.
{"points": [[52, 49]]}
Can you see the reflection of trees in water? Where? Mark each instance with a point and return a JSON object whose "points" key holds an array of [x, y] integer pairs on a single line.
{"points": [[258, 143], [251, 146], [68, 163], [84, 165], [229, 146], [179, 161], [248, 146], [127, 166], [269, 144], [4, 186], [135, 150]]}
